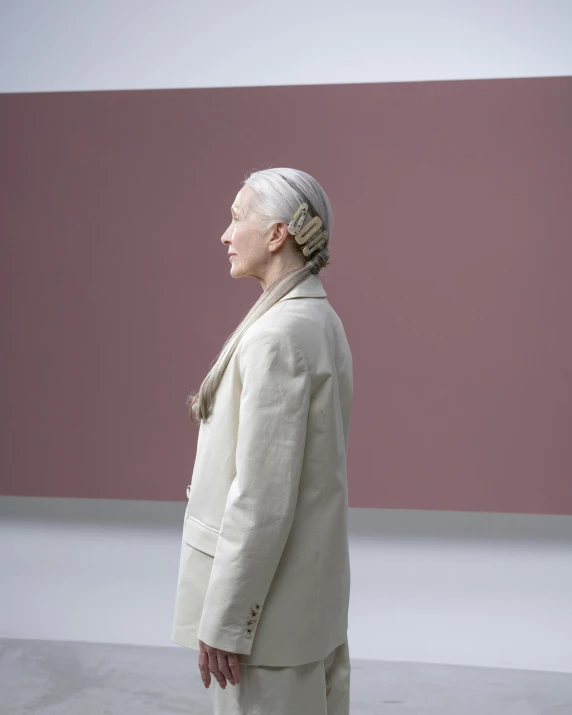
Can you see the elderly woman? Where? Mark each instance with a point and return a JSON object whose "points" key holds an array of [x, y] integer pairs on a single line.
{"points": [[264, 576]]}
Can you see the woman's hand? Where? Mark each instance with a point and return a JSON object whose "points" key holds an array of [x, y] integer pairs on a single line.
{"points": [[221, 663]]}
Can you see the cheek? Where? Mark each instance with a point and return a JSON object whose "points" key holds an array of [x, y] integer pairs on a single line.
{"points": [[237, 232], [240, 239]]}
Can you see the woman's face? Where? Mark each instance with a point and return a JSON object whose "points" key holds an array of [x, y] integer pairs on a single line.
{"points": [[245, 239]]}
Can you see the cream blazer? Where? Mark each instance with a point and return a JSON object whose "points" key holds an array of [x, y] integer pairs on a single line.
{"points": [[264, 567]]}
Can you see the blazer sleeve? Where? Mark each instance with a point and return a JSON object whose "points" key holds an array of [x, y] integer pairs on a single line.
{"points": [[260, 506]]}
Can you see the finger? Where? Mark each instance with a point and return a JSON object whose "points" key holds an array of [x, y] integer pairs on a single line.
{"points": [[213, 666], [224, 667], [204, 668], [234, 666]]}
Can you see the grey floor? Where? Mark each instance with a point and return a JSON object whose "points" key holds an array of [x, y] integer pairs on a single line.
{"points": [[62, 678]]}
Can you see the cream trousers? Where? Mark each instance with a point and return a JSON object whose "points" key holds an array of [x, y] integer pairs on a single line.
{"points": [[318, 688]]}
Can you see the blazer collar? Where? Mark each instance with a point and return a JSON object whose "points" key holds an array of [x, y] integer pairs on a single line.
{"points": [[310, 287]]}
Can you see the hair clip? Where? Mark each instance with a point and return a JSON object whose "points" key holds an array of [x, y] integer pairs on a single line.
{"points": [[316, 243], [310, 231], [298, 219]]}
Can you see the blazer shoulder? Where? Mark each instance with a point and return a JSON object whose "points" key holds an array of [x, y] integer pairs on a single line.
{"points": [[268, 337]]}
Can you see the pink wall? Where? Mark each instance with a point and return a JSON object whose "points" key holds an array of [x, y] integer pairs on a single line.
{"points": [[452, 268]]}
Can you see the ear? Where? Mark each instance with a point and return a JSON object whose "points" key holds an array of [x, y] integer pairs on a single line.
{"points": [[278, 236]]}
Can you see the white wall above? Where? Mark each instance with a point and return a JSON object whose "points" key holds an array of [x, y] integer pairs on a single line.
{"points": [[74, 45]]}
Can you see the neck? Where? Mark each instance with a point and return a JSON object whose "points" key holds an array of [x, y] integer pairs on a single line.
{"points": [[277, 270]]}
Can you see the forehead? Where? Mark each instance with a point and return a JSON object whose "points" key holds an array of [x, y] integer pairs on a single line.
{"points": [[242, 198]]}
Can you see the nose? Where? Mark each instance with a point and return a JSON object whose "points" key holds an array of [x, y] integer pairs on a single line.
{"points": [[225, 238]]}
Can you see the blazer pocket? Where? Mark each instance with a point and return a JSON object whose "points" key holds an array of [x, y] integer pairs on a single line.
{"points": [[200, 536]]}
